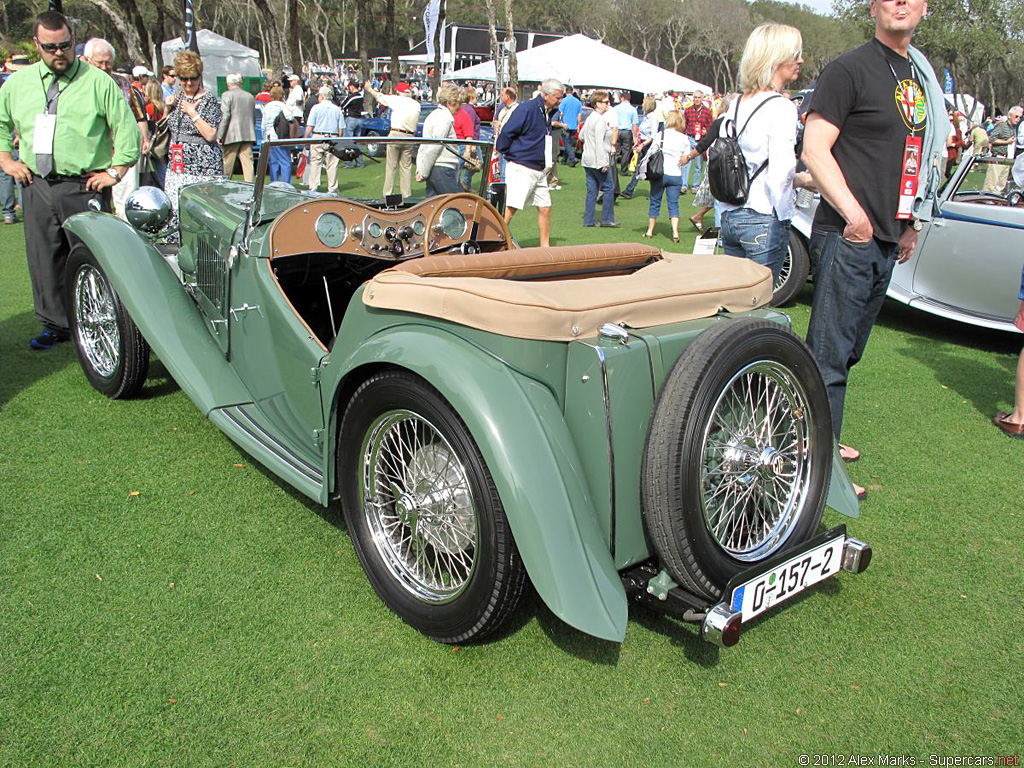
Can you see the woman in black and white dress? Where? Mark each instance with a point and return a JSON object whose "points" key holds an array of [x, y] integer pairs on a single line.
{"points": [[193, 115]]}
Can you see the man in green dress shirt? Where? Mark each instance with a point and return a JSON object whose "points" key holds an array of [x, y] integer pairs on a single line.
{"points": [[71, 119]]}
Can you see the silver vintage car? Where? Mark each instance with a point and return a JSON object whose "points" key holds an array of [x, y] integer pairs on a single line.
{"points": [[967, 265]]}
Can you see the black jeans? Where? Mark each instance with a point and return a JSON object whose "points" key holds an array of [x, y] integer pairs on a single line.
{"points": [[48, 204], [850, 281]]}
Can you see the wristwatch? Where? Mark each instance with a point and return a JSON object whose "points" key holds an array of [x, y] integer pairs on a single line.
{"points": [[917, 224], [112, 173]]}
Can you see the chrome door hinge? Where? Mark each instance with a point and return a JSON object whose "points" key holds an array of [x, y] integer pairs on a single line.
{"points": [[314, 374], [318, 436]]}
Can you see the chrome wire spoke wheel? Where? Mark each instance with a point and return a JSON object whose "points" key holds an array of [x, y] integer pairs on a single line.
{"points": [[756, 464], [96, 321], [785, 270], [419, 506]]}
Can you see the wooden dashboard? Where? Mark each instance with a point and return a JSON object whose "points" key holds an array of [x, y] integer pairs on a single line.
{"points": [[460, 223]]}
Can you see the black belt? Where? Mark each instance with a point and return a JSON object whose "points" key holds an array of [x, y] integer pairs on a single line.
{"points": [[399, 130], [57, 177], [326, 134]]}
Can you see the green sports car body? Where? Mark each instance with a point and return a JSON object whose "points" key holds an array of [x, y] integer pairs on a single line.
{"points": [[611, 423]]}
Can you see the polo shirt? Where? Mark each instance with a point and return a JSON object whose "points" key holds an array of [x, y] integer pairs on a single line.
{"points": [[405, 112], [626, 116], [569, 111], [326, 117], [90, 108]]}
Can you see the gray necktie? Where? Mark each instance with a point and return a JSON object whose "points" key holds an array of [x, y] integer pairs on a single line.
{"points": [[44, 163]]}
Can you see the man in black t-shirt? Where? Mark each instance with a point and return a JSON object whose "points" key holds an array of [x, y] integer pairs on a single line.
{"points": [[865, 106]]}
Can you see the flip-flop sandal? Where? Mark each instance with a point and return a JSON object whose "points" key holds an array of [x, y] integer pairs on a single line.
{"points": [[848, 454], [1008, 428], [862, 494]]}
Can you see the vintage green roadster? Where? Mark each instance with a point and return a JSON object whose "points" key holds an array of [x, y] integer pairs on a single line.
{"points": [[612, 423]]}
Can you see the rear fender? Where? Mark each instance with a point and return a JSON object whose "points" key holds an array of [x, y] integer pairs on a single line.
{"points": [[522, 435], [156, 300]]}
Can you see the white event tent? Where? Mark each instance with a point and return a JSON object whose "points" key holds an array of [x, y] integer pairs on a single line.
{"points": [[580, 62], [221, 56]]}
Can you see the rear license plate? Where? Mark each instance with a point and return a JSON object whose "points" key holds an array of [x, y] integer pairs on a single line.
{"points": [[792, 577]]}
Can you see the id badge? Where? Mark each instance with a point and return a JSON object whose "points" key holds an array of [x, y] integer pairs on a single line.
{"points": [[42, 136], [909, 177], [177, 158]]}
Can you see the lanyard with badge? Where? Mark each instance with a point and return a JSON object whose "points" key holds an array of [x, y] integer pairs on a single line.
{"points": [[910, 175], [46, 123]]}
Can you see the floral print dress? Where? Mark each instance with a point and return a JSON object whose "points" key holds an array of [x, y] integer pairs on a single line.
{"points": [[201, 160]]}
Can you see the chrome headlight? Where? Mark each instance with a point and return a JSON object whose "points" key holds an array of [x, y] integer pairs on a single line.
{"points": [[148, 209]]}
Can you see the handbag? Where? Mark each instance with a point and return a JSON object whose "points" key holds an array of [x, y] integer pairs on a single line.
{"points": [[654, 162], [147, 178], [160, 144]]}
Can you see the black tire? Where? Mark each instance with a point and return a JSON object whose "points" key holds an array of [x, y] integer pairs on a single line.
{"points": [[373, 149], [111, 350], [453, 573], [796, 266], [708, 464]]}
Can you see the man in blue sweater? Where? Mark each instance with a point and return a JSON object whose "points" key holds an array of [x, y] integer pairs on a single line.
{"points": [[524, 141]]}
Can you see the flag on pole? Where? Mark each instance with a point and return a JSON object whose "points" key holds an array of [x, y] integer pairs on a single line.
{"points": [[57, 5], [189, 36], [947, 84], [430, 15]]}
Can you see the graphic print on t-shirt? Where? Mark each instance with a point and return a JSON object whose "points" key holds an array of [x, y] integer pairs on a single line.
{"points": [[911, 104]]}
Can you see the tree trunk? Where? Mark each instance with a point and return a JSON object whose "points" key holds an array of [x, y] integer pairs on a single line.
{"points": [[132, 43], [392, 39], [435, 81], [294, 54], [275, 43], [510, 34], [495, 48], [362, 22]]}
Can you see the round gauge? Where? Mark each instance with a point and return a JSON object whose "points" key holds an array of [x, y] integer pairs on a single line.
{"points": [[330, 228], [374, 229], [453, 223], [418, 228]]}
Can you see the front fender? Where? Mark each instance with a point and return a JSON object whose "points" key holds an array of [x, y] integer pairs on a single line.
{"points": [[156, 300], [523, 437]]}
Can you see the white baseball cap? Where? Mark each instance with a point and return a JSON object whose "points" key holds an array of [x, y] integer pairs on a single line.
{"points": [[140, 70]]}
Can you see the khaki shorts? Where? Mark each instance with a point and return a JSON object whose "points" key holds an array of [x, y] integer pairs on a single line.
{"points": [[525, 186]]}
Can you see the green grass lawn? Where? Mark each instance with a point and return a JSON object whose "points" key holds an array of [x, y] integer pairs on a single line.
{"points": [[164, 600]]}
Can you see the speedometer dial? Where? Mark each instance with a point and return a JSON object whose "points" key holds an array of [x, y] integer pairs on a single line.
{"points": [[330, 228]]}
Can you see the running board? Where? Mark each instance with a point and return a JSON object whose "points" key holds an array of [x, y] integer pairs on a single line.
{"points": [[241, 424]]}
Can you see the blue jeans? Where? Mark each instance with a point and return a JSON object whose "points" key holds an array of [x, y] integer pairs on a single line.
{"points": [[280, 162], [850, 281], [353, 127], [760, 237], [441, 181], [605, 181], [672, 185], [8, 191], [697, 164], [569, 146]]}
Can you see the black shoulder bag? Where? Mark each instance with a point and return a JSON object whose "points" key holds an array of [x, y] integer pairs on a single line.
{"points": [[728, 177]]}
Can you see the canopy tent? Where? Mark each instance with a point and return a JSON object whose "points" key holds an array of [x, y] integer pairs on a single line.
{"points": [[221, 56], [581, 62]]}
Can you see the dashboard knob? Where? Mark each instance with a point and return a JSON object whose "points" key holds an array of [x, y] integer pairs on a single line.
{"points": [[405, 232]]}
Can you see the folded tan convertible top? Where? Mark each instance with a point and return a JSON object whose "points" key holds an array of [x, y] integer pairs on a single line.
{"points": [[560, 299]]}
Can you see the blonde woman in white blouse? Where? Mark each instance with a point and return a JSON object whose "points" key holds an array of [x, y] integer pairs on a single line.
{"points": [[759, 229]]}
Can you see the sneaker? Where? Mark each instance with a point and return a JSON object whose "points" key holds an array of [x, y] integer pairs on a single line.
{"points": [[10, 218], [627, 195], [557, 186], [613, 224], [590, 225], [46, 339]]}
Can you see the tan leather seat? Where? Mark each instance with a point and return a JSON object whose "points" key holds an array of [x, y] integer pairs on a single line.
{"points": [[487, 291]]}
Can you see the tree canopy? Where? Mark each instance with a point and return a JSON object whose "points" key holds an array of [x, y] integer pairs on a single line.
{"points": [[980, 41]]}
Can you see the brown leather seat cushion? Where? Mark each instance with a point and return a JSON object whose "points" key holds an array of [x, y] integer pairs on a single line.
{"points": [[562, 261]]}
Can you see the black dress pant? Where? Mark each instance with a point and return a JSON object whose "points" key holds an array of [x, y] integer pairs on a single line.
{"points": [[624, 151], [48, 204]]}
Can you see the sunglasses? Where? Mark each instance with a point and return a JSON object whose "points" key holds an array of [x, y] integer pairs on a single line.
{"points": [[188, 79], [798, 55], [54, 47]]}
